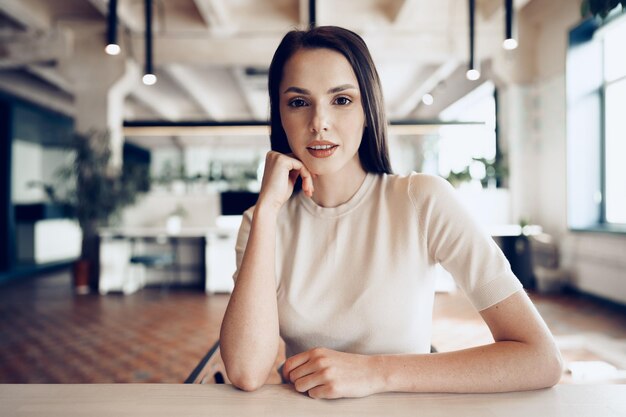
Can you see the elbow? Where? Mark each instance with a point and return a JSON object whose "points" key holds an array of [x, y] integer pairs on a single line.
{"points": [[552, 368], [558, 367], [246, 381], [245, 376]]}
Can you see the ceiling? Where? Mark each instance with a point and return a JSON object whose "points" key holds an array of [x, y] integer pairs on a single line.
{"points": [[211, 56]]}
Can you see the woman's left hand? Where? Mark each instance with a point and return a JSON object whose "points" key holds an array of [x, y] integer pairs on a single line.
{"points": [[325, 373]]}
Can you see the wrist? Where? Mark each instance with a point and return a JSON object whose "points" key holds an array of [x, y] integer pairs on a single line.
{"points": [[267, 211], [380, 372]]}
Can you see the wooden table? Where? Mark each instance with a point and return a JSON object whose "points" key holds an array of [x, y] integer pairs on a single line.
{"points": [[139, 400]]}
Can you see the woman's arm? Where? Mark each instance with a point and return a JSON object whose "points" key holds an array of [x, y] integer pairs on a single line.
{"points": [[523, 357], [249, 336]]}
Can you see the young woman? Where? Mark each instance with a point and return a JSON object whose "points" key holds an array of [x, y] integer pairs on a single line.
{"points": [[343, 268]]}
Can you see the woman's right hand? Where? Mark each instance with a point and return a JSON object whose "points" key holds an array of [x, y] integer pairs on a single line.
{"points": [[279, 177]]}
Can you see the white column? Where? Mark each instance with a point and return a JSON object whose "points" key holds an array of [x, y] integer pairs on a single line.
{"points": [[101, 83]]}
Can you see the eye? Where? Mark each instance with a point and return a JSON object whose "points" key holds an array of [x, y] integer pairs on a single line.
{"points": [[297, 102], [343, 101]]}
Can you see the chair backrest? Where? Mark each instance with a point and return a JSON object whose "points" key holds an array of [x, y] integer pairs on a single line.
{"points": [[210, 369], [544, 251]]}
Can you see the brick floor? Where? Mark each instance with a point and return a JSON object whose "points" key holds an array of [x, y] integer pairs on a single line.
{"points": [[50, 335]]}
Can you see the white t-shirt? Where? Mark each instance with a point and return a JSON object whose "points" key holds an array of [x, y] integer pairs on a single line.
{"points": [[360, 277]]}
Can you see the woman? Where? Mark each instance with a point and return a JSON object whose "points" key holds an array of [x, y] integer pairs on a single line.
{"points": [[343, 269]]}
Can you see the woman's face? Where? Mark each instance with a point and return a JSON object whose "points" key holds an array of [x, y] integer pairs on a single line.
{"points": [[321, 110]]}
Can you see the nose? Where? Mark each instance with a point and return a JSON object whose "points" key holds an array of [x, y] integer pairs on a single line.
{"points": [[319, 119]]}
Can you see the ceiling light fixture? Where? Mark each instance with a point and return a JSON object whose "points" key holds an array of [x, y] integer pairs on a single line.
{"points": [[509, 41], [428, 99], [472, 73], [149, 78], [112, 48]]}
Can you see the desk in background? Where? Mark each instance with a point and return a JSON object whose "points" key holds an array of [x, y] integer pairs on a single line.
{"points": [[204, 257], [117, 247], [139, 400]]}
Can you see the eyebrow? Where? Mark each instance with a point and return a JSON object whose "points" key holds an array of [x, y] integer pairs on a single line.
{"points": [[331, 91]]}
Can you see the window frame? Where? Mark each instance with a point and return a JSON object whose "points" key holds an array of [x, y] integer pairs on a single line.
{"points": [[582, 220]]}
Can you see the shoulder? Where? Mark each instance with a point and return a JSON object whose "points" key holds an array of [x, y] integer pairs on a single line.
{"points": [[424, 182], [419, 187], [428, 183], [427, 189]]}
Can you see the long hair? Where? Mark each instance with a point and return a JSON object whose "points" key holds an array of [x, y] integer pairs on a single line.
{"points": [[373, 150]]}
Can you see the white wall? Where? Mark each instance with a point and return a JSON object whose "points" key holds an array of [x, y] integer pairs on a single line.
{"points": [[153, 209], [534, 125]]}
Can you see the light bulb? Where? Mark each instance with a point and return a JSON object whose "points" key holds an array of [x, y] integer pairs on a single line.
{"points": [[509, 44], [149, 79], [472, 74], [112, 49], [428, 99]]}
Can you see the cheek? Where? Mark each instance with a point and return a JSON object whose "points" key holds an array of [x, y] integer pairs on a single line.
{"points": [[288, 127], [354, 128], [295, 128]]}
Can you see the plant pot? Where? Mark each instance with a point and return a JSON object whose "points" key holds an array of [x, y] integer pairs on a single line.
{"points": [[81, 276]]}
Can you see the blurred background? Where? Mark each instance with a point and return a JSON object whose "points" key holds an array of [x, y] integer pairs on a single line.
{"points": [[133, 135]]}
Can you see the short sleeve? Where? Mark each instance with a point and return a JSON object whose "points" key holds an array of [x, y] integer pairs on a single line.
{"points": [[242, 239], [456, 241]]}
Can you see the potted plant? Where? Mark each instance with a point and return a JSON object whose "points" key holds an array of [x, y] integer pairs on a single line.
{"points": [[100, 192]]}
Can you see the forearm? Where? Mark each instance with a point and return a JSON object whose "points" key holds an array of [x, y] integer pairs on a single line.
{"points": [[498, 367], [249, 336]]}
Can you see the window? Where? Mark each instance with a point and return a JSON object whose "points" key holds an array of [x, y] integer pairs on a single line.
{"points": [[596, 133], [615, 123], [460, 146]]}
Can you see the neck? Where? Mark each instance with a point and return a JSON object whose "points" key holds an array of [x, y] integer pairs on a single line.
{"points": [[333, 190]]}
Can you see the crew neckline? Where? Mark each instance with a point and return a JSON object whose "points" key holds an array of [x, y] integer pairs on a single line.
{"points": [[328, 212]]}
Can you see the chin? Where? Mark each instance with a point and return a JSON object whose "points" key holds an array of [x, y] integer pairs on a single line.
{"points": [[321, 166]]}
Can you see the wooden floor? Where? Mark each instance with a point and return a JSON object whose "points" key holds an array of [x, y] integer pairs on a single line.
{"points": [[50, 335]]}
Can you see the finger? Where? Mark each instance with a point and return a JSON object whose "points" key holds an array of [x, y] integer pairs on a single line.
{"points": [[322, 391], [307, 177], [294, 168], [309, 367], [295, 361], [309, 382], [307, 181], [293, 176]]}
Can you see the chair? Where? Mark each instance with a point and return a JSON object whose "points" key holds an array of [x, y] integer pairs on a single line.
{"points": [[210, 369], [549, 276], [158, 260]]}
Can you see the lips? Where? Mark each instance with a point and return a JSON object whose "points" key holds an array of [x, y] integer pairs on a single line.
{"points": [[321, 148]]}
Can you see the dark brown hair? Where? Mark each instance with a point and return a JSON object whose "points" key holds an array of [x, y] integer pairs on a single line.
{"points": [[373, 151]]}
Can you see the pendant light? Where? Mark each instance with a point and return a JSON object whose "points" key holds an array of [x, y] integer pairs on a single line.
{"points": [[112, 48], [509, 41], [149, 78], [472, 73]]}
